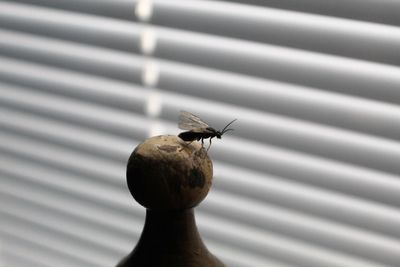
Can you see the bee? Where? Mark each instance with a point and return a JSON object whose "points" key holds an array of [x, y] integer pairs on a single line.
{"points": [[198, 129]]}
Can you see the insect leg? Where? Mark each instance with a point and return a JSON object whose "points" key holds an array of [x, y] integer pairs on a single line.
{"points": [[209, 145]]}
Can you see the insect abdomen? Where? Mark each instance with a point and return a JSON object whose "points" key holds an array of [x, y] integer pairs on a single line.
{"points": [[190, 136]]}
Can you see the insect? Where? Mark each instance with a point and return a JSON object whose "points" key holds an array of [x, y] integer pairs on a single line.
{"points": [[198, 129]]}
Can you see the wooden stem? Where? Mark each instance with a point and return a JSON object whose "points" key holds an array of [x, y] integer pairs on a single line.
{"points": [[170, 238]]}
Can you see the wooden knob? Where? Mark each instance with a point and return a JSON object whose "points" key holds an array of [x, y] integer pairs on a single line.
{"points": [[169, 177], [164, 173]]}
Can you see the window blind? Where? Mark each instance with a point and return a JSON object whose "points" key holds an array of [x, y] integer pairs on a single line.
{"points": [[309, 177]]}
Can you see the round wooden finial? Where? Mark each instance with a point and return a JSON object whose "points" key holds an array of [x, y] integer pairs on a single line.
{"points": [[165, 173], [169, 177]]}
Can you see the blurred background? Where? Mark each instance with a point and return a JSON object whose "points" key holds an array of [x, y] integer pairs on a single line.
{"points": [[309, 178]]}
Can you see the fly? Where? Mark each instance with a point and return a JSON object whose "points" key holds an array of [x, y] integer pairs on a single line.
{"points": [[198, 129]]}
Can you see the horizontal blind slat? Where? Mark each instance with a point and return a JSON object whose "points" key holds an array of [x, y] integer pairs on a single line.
{"points": [[334, 236], [347, 179], [368, 41], [286, 189], [64, 244], [234, 257], [95, 229], [72, 26], [122, 9], [30, 253], [16, 259], [282, 131], [68, 158], [107, 119], [378, 11], [78, 138], [333, 143], [63, 82], [73, 205], [301, 167], [340, 110], [385, 113], [326, 72], [63, 233], [285, 249], [354, 148], [72, 56]]}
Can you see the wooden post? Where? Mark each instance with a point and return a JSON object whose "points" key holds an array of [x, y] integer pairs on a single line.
{"points": [[169, 177]]}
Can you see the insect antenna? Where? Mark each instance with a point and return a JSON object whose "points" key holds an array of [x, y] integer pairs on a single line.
{"points": [[225, 128], [226, 131]]}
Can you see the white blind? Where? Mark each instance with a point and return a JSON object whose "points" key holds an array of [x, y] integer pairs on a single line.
{"points": [[309, 178]]}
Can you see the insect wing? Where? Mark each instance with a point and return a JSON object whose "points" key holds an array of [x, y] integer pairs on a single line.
{"points": [[188, 121], [203, 130]]}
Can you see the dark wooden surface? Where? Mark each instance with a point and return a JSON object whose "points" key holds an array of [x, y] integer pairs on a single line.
{"points": [[170, 239], [169, 178]]}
